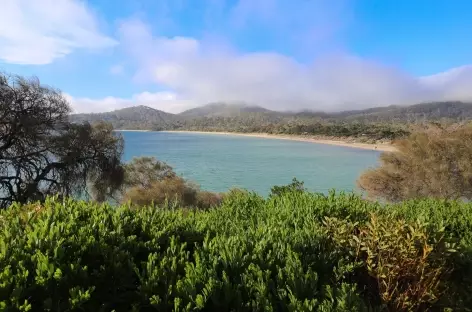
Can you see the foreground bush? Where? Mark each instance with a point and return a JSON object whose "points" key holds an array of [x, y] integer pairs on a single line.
{"points": [[171, 192], [295, 251], [150, 182], [404, 264], [430, 163]]}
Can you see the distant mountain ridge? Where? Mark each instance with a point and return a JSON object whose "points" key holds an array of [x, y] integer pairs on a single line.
{"points": [[136, 117], [143, 117], [223, 110], [418, 112]]}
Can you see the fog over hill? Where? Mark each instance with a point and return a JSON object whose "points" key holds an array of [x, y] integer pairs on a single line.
{"points": [[142, 117], [223, 110], [336, 85]]}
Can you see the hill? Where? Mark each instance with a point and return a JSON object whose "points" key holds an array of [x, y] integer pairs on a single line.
{"points": [[224, 110], [456, 111], [136, 118], [378, 122]]}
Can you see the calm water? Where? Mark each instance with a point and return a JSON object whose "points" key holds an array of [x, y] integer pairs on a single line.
{"points": [[219, 162]]}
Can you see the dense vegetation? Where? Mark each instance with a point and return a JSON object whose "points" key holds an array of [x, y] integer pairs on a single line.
{"points": [[42, 153], [434, 162], [223, 110], [339, 129], [294, 251], [135, 118], [150, 182], [381, 123]]}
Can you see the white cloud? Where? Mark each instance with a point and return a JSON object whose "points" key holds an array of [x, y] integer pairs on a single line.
{"points": [[454, 84], [40, 31], [199, 71], [165, 101], [192, 70]]}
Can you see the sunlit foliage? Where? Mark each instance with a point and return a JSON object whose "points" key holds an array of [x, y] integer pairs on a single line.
{"points": [[431, 162], [295, 251]]}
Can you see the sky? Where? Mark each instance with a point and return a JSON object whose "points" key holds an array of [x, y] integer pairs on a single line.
{"points": [[173, 55]]}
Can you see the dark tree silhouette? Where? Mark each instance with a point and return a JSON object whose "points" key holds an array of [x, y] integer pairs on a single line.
{"points": [[42, 153]]}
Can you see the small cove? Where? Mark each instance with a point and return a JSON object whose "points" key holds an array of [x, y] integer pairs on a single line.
{"points": [[219, 162]]}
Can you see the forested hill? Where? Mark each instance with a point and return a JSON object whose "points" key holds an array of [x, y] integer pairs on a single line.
{"points": [[137, 118], [245, 118], [224, 110], [456, 111]]}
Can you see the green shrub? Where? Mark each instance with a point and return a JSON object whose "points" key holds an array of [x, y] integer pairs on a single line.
{"points": [[171, 192], [403, 263], [295, 186], [248, 254], [205, 199], [167, 192]]}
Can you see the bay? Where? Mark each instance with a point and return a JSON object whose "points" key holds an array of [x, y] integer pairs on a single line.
{"points": [[220, 162]]}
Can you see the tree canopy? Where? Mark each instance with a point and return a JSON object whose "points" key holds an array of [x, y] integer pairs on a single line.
{"points": [[42, 153], [143, 171], [149, 181], [433, 162]]}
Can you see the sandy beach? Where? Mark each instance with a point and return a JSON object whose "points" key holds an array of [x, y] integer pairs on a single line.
{"points": [[124, 130], [384, 147]]}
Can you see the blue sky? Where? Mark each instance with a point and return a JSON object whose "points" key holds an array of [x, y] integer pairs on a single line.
{"points": [[281, 54]]}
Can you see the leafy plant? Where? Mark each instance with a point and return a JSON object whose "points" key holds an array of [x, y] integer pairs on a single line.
{"points": [[430, 163], [407, 265], [247, 254], [295, 186]]}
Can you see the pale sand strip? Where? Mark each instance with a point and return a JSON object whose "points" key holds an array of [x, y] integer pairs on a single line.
{"points": [[384, 147]]}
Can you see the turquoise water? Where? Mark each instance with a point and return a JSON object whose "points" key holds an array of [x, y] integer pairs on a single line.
{"points": [[219, 162]]}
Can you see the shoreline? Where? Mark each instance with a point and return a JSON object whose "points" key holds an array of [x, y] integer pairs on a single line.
{"points": [[382, 147]]}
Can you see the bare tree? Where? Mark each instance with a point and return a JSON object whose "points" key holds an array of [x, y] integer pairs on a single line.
{"points": [[42, 153]]}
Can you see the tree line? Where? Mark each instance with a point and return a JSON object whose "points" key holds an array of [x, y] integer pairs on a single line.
{"points": [[298, 126]]}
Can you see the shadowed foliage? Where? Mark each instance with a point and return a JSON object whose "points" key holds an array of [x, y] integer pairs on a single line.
{"points": [[143, 171], [432, 162], [173, 191], [295, 186], [41, 153], [403, 264], [149, 181]]}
